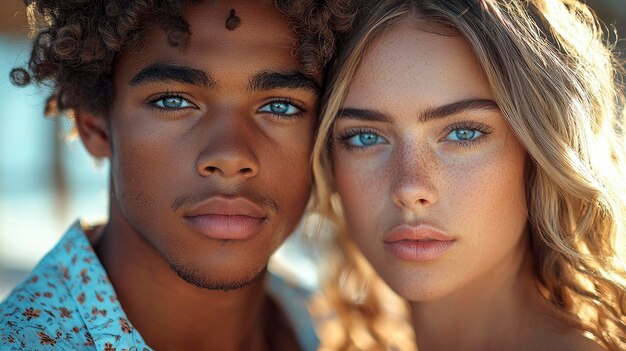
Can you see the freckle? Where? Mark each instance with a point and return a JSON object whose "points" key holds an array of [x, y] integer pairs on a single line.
{"points": [[233, 21]]}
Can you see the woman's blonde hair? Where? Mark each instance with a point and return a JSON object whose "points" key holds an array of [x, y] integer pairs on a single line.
{"points": [[558, 85]]}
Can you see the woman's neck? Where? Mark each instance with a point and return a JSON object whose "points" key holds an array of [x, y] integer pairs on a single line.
{"points": [[498, 311]]}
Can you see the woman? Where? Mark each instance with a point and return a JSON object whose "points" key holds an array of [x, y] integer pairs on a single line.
{"points": [[475, 150]]}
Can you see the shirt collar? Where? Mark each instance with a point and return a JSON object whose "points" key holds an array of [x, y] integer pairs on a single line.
{"points": [[91, 290]]}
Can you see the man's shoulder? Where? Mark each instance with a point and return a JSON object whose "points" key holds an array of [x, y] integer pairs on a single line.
{"points": [[67, 303], [41, 314]]}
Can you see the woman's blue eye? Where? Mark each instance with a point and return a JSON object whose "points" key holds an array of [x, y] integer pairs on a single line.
{"points": [[172, 102], [365, 139], [280, 108], [464, 134]]}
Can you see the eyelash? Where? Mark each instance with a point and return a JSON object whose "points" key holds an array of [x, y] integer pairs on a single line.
{"points": [[289, 101], [152, 103], [483, 129], [344, 138]]}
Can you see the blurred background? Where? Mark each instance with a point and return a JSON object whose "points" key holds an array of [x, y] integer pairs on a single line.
{"points": [[47, 180]]}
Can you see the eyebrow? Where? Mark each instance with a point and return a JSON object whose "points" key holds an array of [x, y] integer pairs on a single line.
{"points": [[458, 107], [269, 80], [429, 114], [166, 72], [364, 115]]}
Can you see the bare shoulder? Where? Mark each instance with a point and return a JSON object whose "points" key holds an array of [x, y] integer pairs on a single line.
{"points": [[569, 340], [554, 331]]}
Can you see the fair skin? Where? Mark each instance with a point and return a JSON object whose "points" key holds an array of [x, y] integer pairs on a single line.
{"points": [[432, 184]]}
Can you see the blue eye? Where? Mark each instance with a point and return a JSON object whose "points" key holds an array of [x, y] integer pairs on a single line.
{"points": [[363, 139], [280, 108], [172, 102], [464, 134]]}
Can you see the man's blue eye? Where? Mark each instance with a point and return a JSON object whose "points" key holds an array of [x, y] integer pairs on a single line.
{"points": [[280, 108], [172, 102], [365, 139], [464, 134]]}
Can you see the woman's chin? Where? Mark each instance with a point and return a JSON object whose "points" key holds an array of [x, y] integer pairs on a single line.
{"points": [[416, 287]]}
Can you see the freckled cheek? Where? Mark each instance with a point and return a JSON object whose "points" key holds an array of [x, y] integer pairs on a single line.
{"points": [[363, 187], [512, 194], [468, 193], [504, 187], [487, 194]]}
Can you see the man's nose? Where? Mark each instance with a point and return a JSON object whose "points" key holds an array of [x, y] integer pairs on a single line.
{"points": [[228, 152]]}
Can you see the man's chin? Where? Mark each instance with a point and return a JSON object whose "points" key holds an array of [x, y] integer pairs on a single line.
{"points": [[204, 280]]}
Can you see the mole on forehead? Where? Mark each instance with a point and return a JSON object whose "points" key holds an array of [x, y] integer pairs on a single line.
{"points": [[233, 21]]}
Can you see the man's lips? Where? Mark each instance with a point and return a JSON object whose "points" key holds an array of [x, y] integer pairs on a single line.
{"points": [[226, 218], [417, 243]]}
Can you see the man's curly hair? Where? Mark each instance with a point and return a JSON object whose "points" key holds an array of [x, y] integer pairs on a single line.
{"points": [[77, 41]]}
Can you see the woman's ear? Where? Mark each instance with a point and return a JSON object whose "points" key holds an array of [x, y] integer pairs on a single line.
{"points": [[94, 132]]}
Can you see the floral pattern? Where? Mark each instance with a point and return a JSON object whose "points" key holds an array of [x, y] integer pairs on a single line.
{"points": [[67, 303]]}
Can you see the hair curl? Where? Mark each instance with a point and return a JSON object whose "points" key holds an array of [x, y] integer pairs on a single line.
{"points": [[76, 42], [559, 87]]}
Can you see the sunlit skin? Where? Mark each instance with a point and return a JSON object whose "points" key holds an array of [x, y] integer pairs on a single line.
{"points": [[231, 116], [421, 144]]}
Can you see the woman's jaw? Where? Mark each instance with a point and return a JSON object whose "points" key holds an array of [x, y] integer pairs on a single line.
{"points": [[433, 188]]}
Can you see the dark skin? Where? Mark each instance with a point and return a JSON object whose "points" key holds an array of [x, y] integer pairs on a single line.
{"points": [[229, 117]]}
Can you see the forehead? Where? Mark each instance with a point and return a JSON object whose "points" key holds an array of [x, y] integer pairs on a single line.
{"points": [[262, 41], [411, 63], [262, 28]]}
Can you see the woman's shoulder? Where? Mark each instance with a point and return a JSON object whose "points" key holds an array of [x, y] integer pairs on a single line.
{"points": [[579, 343], [567, 339]]}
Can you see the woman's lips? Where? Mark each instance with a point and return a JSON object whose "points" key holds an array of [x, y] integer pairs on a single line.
{"points": [[226, 218], [417, 243]]}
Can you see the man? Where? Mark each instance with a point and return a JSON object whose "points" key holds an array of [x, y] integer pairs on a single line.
{"points": [[207, 119]]}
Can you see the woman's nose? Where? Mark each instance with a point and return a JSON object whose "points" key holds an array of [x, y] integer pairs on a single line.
{"points": [[412, 184]]}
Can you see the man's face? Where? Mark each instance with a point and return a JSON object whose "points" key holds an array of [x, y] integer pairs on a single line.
{"points": [[210, 145]]}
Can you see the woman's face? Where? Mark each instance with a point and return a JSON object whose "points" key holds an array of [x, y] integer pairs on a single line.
{"points": [[430, 174]]}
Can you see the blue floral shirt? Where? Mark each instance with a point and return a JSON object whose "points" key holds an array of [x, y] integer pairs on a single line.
{"points": [[68, 303]]}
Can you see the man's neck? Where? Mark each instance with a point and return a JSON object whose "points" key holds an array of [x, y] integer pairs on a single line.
{"points": [[170, 313], [499, 311]]}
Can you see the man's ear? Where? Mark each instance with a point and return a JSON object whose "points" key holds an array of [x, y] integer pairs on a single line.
{"points": [[94, 132]]}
